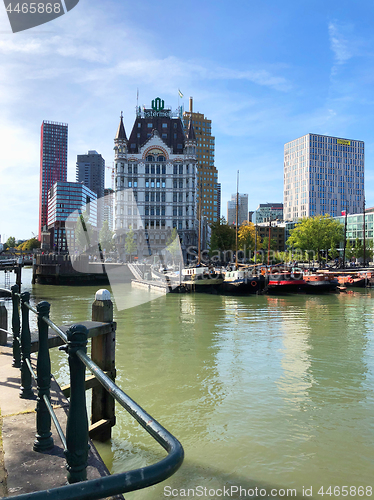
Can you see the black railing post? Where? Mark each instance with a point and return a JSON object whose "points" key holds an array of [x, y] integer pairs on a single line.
{"points": [[26, 391], [44, 439], [16, 326], [77, 424]]}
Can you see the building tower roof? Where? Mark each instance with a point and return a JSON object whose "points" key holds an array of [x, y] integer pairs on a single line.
{"points": [[190, 135], [121, 134]]}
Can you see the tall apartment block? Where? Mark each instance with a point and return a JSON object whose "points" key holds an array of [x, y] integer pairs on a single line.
{"points": [[53, 163], [218, 200], [242, 209], [155, 181], [90, 169], [323, 175], [207, 174]]}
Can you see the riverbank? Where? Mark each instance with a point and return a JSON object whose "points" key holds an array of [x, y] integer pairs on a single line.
{"points": [[260, 390], [23, 470]]}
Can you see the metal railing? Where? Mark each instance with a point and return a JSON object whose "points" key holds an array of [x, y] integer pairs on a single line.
{"points": [[76, 441]]}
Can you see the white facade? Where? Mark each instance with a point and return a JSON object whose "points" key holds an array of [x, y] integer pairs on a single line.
{"points": [[155, 191], [323, 175]]}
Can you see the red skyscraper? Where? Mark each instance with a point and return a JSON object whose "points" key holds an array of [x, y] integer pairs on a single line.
{"points": [[53, 163]]}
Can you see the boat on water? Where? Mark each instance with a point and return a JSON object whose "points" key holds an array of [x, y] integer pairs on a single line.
{"points": [[319, 283], [353, 280], [201, 279], [283, 280], [241, 282]]}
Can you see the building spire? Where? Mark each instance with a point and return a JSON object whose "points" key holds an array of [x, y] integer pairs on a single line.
{"points": [[121, 134], [190, 136]]}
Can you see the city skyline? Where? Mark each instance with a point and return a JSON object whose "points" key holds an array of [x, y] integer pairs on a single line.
{"points": [[259, 87]]}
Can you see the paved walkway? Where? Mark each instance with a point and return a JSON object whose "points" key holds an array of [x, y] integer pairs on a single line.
{"points": [[24, 470]]}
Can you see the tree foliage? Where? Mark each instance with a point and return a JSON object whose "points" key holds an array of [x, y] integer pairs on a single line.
{"points": [[130, 243], [106, 238], [223, 236], [10, 242], [316, 233], [83, 233], [246, 235], [173, 245], [29, 245]]}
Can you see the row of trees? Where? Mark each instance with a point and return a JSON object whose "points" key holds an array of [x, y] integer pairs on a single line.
{"points": [[311, 236], [223, 237], [25, 246]]}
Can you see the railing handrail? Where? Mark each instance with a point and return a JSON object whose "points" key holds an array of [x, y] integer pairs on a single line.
{"points": [[124, 482]]}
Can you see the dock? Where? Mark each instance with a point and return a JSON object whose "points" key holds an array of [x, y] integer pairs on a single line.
{"points": [[23, 470]]}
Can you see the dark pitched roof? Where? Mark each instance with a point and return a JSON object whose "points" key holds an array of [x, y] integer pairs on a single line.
{"points": [[121, 134], [190, 135], [169, 129]]}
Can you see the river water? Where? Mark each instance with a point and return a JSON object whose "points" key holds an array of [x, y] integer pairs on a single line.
{"points": [[266, 392]]}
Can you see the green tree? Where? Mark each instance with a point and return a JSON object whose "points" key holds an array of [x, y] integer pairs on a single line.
{"points": [[246, 236], [130, 243], [349, 252], [223, 237], [173, 245], [333, 250], [29, 245], [83, 233], [106, 238], [358, 250], [10, 242], [317, 233]]}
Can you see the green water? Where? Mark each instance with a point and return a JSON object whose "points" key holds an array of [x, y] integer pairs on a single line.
{"points": [[261, 391]]}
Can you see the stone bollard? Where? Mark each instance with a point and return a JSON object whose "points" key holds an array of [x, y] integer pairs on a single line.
{"points": [[103, 354], [3, 323]]}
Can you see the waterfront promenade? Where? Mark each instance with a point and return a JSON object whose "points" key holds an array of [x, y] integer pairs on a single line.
{"points": [[23, 470]]}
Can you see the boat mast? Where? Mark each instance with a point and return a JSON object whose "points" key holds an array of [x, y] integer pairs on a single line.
{"points": [[364, 235], [269, 239], [236, 223], [345, 235]]}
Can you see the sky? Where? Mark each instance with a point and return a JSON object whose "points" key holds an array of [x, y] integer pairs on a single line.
{"points": [[264, 72]]}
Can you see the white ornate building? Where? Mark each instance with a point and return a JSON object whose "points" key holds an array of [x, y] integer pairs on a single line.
{"points": [[155, 182]]}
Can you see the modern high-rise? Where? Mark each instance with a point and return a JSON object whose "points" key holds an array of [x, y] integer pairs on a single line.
{"points": [[268, 211], [207, 174], [64, 198], [323, 175], [242, 209], [53, 163], [108, 207], [155, 181], [218, 200], [90, 169]]}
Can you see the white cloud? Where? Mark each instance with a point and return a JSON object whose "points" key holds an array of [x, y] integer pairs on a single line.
{"points": [[342, 47]]}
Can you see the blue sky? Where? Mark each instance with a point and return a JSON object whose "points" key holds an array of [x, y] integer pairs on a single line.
{"points": [[264, 73]]}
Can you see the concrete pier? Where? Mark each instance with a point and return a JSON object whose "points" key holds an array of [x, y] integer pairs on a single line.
{"points": [[23, 470]]}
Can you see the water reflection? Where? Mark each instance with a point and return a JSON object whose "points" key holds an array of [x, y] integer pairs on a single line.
{"points": [[260, 390]]}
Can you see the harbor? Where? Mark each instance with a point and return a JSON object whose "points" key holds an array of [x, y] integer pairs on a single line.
{"points": [[262, 391]]}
